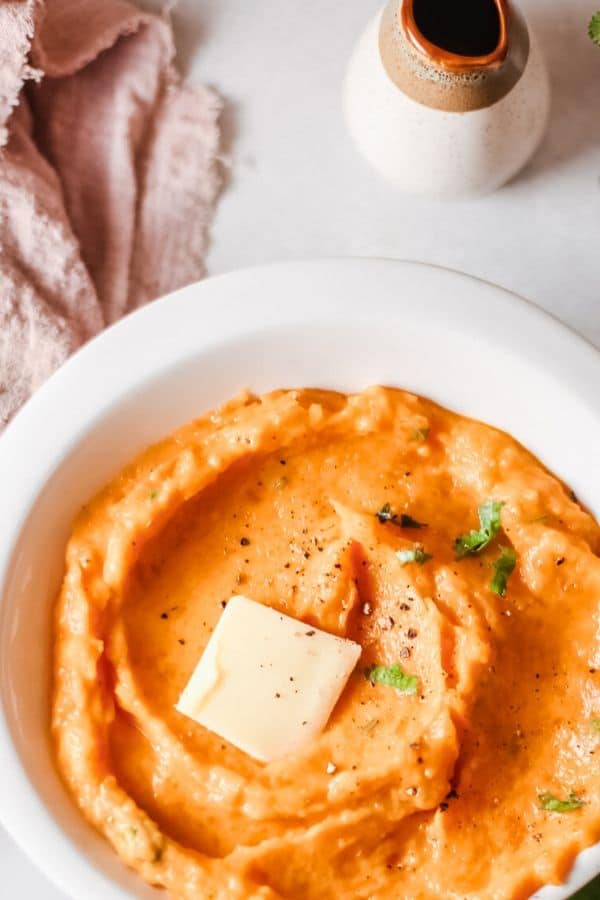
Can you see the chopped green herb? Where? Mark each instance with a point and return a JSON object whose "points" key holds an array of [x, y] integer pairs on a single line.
{"points": [[385, 514], [502, 570], [153, 494], [408, 522], [476, 541], [392, 676], [403, 520], [553, 804], [594, 28], [420, 434], [415, 555], [595, 723]]}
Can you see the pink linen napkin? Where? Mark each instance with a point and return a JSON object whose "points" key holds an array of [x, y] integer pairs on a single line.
{"points": [[108, 177]]}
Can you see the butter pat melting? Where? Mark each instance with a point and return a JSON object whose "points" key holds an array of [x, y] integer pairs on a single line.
{"points": [[267, 682]]}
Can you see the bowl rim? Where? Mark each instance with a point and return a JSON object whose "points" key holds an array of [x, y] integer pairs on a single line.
{"points": [[78, 399]]}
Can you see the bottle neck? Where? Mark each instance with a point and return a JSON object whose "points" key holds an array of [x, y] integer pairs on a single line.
{"points": [[437, 76], [464, 36]]}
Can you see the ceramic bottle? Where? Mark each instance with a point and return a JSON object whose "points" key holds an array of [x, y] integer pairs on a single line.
{"points": [[447, 99]]}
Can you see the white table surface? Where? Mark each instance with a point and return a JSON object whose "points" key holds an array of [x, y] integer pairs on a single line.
{"points": [[298, 189]]}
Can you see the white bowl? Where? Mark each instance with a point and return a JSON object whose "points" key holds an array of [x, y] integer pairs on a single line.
{"points": [[338, 323]]}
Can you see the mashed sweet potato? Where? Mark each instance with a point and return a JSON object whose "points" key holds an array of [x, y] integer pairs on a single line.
{"points": [[482, 783]]}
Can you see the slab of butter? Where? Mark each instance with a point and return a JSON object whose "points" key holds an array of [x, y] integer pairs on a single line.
{"points": [[267, 682]]}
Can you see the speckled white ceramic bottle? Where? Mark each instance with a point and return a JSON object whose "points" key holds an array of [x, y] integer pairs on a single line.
{"points": [[439, 123]]}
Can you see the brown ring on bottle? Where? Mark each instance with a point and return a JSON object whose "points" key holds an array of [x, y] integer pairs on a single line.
{"points": [[455, 62]]}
